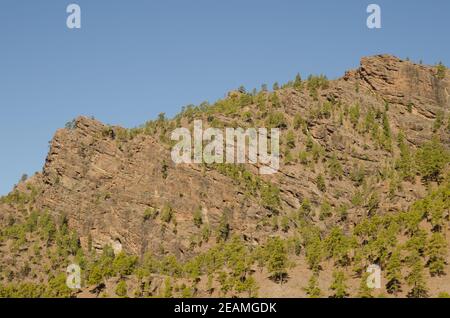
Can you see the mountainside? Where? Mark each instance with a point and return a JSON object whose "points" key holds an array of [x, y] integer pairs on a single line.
{"points": [[364, 179]]}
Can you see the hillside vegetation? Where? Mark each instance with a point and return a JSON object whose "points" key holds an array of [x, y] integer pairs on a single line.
{"points": [[364, 179]]}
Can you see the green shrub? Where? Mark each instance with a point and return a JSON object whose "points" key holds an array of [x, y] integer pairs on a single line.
{"points": [[431, 159], [440, 70], [338, 285], [270, 197], [122, 289], [285, 223], [337, 246], [325, 210], [313, 290], [224, 229], [320, 182], [124, 264], [437, 254], [277, 258], [275, 100], [335, 167], [305, 208], [303, 157], [276, 120], [297, 82], [393, 273], [354, 113], [439, 121], [314, 83], [150, 214], [198, 221], [415, 278], [290, 139], [299, 122], [357, 175], [167, 213]]}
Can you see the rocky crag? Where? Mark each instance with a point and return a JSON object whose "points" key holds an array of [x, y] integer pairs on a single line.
{"points": [[366, 146]]}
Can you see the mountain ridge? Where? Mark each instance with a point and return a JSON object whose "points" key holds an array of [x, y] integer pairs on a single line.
{"points": [[351, 150]]}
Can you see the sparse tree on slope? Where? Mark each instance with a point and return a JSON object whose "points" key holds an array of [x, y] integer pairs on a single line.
{"points": [[415, 278], [313, 290], [277, 258], [437, 252], [393, 273], [338, 285]]}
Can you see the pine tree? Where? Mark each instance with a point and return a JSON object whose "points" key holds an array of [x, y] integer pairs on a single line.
{"points": [[121, 289], [418, 240], [270, 197], [338, 285], [313, 290], [415, 278], [290, 139], [387, 142], [198, 221], [248, 285], [364, 290], [298, 82], [335, 167], [369, 121], [206, 233], [277, 258], [436, 251], [354, 113], [299, 122], [305, 209], [167, 213], [440, 70], [225, 283], [320, 182], [431, 159], [439, 121], [342, 212], [285, 223], [314, 254], [168, 289], [437, 209], [275, 100], [393, 273], [325, 210], [337, 246], [358, 262], [242, 89], [224, 229], [405, 164], [124, 264]]}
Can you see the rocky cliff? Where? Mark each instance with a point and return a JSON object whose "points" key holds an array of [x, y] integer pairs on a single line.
{"points": [[340, 148]]}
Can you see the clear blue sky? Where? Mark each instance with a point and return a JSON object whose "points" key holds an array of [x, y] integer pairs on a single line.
{"points": [[134, 59]]}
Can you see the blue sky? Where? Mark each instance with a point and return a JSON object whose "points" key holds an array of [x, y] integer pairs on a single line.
{"points": [[134, 59]]}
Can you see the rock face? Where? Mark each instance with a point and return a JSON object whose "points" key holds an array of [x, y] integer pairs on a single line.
{"points": [[110, 189], [105, 186], [403, 83], [415, 91]]}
